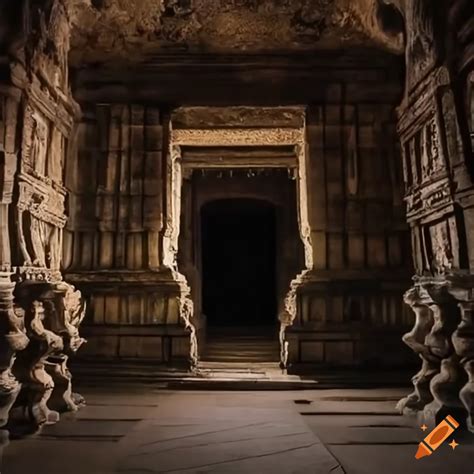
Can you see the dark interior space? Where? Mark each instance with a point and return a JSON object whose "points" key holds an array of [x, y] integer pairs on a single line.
{"points": [[238, 262]]}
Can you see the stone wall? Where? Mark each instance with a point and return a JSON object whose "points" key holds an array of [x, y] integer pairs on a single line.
{"points": [[359, 239], [360, 246], [114, 236]]}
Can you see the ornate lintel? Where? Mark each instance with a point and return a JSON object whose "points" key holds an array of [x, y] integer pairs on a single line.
{"points": [[238, 137]]}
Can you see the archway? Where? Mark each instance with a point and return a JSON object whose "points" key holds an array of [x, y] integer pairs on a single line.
{"points": [[238, 263]]}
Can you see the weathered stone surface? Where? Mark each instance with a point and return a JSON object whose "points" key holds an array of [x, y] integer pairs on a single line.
{"points": [[115, 28]]}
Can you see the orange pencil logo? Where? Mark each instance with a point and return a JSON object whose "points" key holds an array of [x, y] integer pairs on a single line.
{"points": [[437, 437]]}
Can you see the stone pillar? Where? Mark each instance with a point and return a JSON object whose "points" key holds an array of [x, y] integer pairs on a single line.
{"points": [[445, 385], [31, 364], [438, 193], [33, 152], [66, 311], [415, 339], [463, 341], [12, 333], [12, 340]]}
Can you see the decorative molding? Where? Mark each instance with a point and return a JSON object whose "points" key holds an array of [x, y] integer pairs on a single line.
{"points": [[238, 137]]}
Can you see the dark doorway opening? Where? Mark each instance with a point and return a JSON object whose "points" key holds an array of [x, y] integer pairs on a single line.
{"points": [[238, 263]]}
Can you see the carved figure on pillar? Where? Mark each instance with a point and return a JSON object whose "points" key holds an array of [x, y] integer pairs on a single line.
{"points": [[415, 339], [31, 367], [12, 340], [463, 340], [446, 385], [68, 310]]}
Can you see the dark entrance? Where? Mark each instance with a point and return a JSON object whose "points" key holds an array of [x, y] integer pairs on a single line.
{"points": [[238, 262]]}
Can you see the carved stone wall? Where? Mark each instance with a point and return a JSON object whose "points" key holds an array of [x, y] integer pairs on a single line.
{"points": [[114, 236], [360, 240], [39, 319], [357, 239], [434, 121]]}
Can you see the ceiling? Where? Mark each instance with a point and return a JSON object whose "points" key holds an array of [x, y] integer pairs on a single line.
{"points": [[107, 30]]}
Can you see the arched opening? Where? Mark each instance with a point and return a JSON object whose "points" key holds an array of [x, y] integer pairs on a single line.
{"points": [[239, 263]]}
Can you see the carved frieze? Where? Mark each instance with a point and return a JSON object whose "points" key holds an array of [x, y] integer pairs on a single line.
{"points": [[423, 201], [238, 137], [422, 152], [43, 202]]}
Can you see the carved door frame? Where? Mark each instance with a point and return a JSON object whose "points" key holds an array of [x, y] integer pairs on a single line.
{"points": [[241, 136]]}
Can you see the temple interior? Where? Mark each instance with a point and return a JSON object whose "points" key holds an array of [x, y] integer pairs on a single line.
{"points": [[236, 220]]}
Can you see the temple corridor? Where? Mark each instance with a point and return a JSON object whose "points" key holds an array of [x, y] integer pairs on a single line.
{"points": [[236, 235]]}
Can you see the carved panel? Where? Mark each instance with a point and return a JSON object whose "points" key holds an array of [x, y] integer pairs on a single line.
{"points": [[238, 137], [421, 47], [50, 50], [422, 152], [442, 251]]}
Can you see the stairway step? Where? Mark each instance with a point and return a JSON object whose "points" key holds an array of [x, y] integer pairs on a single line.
{"points": [[242, 350]]}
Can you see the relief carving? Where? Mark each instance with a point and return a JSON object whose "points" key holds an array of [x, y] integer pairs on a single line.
{"points": [[451, 128], [236, 137], [186, 312], [421, 48], [39, 73], [415, 339], [444, 386], [67, 311], [442, 260], [32, 363], [430, 152], [463, 341], [34, 141], [39, 145], [12, 340], [49, 52]]}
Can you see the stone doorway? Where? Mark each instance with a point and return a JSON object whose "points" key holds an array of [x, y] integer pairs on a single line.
{"points": [[232, 143], [238, 241]]}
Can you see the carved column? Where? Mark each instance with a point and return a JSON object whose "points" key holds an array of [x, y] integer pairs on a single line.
{"points": [[12, 333], [67, 311], [463, 340], [446, 385], [415, 339], [31, 367], [12, 340]]}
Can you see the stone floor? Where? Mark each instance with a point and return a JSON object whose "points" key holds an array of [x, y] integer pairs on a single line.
{"points": [[145, 430]]}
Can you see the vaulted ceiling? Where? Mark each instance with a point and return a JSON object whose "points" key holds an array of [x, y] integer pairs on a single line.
{"points": [[133, 29]]}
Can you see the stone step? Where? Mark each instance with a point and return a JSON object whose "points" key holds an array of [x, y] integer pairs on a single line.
{"points": [[229, 376], [237, 366], [244, 342], [241, 348]]}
